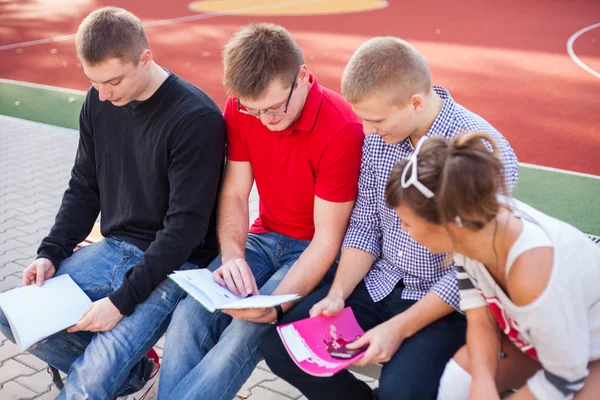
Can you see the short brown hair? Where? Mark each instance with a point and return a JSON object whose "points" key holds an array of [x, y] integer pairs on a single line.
{"points": [[388, 66], [256, 55], [110, 32], [464, 176]]}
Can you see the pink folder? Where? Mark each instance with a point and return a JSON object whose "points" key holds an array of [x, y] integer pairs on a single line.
{"points": [[309, 341]]}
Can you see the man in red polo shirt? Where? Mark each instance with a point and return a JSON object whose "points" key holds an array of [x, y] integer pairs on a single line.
{"points": [[301, 143]]}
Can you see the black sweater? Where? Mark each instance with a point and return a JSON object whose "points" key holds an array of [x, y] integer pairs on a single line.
{"points": [[153, 170]]}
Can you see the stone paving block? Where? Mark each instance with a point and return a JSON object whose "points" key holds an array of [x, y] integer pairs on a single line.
{"points": [[10, 269], [10, 256], [31, 361], [11, 369], [263, 365], [31, 227], [36, 220], [33, 208], [13, 233], [13, 391], [23, 262], [11, 244], [33, 238], [10, 282], [260, 393], [258, 377], [49, 395], [281, 386], [8, 350], [39, 382], [9, 219]]}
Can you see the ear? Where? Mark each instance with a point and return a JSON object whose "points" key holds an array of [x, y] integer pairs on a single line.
{"points": [[304, 75], [417, 103], [146, 59]]}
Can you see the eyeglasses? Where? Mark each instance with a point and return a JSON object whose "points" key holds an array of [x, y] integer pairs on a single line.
{"points": [[269, 111], [412, 162]]}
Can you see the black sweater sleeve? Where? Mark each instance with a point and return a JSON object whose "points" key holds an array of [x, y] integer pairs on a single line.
{"points": [[81, 202], [197, 153]]}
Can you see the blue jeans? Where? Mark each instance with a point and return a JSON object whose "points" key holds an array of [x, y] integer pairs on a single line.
{"points": [[108, 364], [209, 355], [413, 372]]}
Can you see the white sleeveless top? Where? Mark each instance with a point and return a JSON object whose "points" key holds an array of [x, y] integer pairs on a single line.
{"points": [[561, 328]]}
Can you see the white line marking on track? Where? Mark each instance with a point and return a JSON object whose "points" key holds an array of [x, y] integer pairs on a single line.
{"points": [[561, 171], [572, 53]]}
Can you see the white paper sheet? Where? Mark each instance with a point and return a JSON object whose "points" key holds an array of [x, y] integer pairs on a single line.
{"points": [[34, 313]]}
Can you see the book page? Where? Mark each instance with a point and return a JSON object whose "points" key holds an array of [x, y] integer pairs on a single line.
{"points": [[203, 281], [260, 301], [36, 312], [295, 345], [200, 284]]}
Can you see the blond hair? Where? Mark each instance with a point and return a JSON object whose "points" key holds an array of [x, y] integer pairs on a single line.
{"points": [[256, 55], [110, 32], [388, 67]]}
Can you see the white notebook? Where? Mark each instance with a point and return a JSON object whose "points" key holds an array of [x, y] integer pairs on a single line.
{"points": [[37, 312], [199, 284]]}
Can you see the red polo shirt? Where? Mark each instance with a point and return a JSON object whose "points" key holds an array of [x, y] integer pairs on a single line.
{"points": [[318, 155]]}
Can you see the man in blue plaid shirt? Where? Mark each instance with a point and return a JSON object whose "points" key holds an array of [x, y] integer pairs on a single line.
{"points": [[405, 297]]}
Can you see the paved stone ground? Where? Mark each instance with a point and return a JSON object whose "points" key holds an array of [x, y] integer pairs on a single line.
{"points": [[35, 164]]}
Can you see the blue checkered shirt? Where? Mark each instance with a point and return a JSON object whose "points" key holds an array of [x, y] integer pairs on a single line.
{"points": [[375, 227]]}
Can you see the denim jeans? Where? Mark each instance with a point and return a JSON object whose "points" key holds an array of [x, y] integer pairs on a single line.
{"points": [[413, 372], [209, 355], [108, 364]]}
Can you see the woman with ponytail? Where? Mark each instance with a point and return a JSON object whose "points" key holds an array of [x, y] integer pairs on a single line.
{"points": [[528, 282]]}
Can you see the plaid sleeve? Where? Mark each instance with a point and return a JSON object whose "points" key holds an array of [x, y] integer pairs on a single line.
{"points": [[364, 229], [510, 162], [447, 288]]}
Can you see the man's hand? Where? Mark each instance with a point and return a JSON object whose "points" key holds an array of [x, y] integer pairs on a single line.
{"points": [[39, 270], [258, 315], [102, 316], [383, 340], [329, 306], [237, 276]]}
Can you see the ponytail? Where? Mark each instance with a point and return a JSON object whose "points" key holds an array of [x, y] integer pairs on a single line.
{"points": [[465, 175]]}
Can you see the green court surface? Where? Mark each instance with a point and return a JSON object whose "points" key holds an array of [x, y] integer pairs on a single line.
{"points": [[41, 104], [571, 198], [568, 196]]}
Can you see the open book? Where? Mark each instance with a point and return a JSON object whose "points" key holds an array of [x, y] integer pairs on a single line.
{"points": [[311, 342], [199, 284], [37, 312]]}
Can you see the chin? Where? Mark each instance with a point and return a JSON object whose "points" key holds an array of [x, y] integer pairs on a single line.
{"points": [[281, 126], [120, 103]]}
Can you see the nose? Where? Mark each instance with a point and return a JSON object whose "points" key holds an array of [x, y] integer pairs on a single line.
{"points": [[104, 93], [266, 118], [369, 129]]}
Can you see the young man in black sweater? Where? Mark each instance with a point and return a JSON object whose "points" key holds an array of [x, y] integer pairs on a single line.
{"points": [[150, 160]]}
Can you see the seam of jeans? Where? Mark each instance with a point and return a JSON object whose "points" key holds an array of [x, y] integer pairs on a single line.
{"points": [[125, 259], [238, 371], [68, 345], [284, 245], [211, 323], [99, 288], [146, 341]]}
